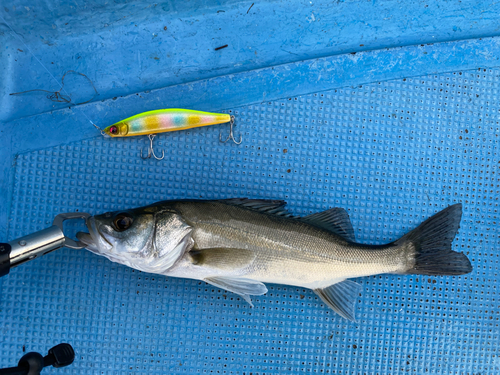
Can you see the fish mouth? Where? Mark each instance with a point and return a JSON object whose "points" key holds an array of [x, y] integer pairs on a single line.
{"points": [[94, 240]]}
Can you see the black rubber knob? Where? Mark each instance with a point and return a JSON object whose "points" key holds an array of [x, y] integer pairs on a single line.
{"points": [[33, 362], [60, 356]]}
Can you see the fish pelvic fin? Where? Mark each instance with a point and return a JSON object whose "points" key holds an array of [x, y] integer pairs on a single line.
{"points": [[431, 242], [341, 298], [240, 286]]}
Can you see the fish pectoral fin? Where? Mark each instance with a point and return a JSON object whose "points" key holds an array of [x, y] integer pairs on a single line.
{"points": [[222, 258], [341, 297], [335, 220], [241, 286]]}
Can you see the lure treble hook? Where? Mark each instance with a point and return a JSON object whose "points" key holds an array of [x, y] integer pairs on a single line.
{"points": [[151, 151], [231, 135]]}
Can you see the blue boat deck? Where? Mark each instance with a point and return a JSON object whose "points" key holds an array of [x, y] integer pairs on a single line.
{"points": [[389, 109]]}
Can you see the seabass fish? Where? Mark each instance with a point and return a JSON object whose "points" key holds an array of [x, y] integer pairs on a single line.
{"points": [[240, 244]]}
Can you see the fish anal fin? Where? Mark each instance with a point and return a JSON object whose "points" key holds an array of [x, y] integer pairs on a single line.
{"points": [[241, 286], [341, 297]]}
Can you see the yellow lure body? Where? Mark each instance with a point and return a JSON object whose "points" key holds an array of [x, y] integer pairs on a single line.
{"points": [[164, 120]]}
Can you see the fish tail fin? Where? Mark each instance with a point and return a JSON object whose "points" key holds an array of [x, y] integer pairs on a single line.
{"points": [[431, 242]]}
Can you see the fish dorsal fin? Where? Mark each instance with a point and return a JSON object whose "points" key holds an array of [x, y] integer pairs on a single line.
{"points": [[243, 287], [341, 297], [335, 220], [268, 206]]}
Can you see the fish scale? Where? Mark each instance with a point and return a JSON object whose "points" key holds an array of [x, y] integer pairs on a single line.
{"points": [[312, 253]]}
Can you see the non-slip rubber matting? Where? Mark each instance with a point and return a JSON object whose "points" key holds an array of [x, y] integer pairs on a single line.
{"points": [[392, 154]]}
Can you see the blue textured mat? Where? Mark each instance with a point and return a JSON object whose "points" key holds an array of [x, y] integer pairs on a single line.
{"points": [[131, 46], [390, 153]]}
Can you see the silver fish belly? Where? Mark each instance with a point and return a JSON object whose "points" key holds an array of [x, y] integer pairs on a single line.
{"points": [[239, 244]]}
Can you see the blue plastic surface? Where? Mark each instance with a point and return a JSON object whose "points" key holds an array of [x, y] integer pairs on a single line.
{"points": [[391, 153], [222, 93], [131, 46], [392, 135]]}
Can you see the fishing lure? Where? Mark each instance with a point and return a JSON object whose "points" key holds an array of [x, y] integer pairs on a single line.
{"points": [[166, 120]]}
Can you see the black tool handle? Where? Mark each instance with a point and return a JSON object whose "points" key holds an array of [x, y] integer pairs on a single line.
{"points": [[5, 250], [33, 363], [13, 371]]}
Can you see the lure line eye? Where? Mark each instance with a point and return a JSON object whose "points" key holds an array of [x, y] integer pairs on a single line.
{"points": [[113, 130], [122, 222]]}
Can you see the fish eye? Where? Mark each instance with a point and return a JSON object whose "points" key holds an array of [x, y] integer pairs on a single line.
{"points": [[122, 222], [113, 130]]}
